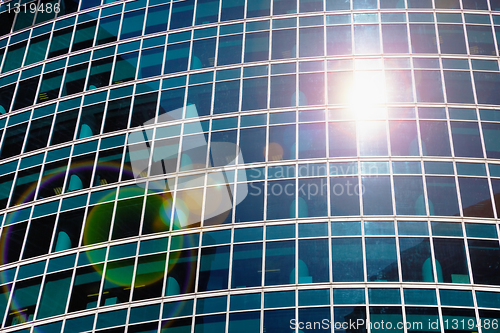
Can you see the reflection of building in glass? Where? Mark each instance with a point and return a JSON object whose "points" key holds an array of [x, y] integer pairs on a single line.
{"points": [[203, 166]]}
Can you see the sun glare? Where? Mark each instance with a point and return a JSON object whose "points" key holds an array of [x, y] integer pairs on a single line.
{"points": [[368, 94]]}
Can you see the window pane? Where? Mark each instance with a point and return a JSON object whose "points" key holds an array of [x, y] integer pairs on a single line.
{"points": [[347, 260], [280, 263], [151, 62], [60, 42], [311, 42], [475, 195], [177, 58], [132, 24], [284, 44], [125, 67], [182, 14], [203, 53], [442, 196], [395, 38], [452, 39], [256, 46], [230, 48], [381, 259], [37, 49], [409, 194], [247, 265], [157, 19]]}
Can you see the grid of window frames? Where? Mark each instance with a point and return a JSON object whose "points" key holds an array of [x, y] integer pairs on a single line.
{"points": [[327, 211]]}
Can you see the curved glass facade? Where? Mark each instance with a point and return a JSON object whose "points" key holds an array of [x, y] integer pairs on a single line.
{"points": [[250, 166]]}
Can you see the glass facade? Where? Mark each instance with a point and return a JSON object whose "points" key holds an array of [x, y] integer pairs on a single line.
{"points": [[211, 166]]}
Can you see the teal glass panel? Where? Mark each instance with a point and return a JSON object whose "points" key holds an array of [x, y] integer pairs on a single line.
{"points": [[132, 24], [14, 57], [54, 294], [157, 19], [381, 259], [280, 263]]}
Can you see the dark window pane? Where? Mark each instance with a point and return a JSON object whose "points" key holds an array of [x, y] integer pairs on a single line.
{"points": [[452, 39], [232, 10], [203, 53], [177, 58], [84, 36], [381, 259], [435, 140], [442, 195], [475, 195], [151, 62], [281, 143], [26, 92], [311, 42], [125, 67], [117, 115], [247, 265], [251, 206], [13, 141], [377, 198], [60, 42], [451, 261], [230, 48], [458, 87], [256, 46], [491, 133], [487, 87], [347, 260], [182, 14], [157, 19], [342, 139], [38, 133], [283, 90], [416, 262], [466, 139], [64, 127], [227, 96], [344, 196], [37, 49], [485, 261], [280, 263], [254, 94], [284, 7], [100, 73], [132, 24], [409, 193], [201, 98], [39, 237], [284, 44], [423, 38], [480, 40], [49, 88], [429, 86], [74, 81], [108, 29]]}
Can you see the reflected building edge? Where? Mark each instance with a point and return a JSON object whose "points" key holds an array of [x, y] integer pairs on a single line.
{"points": [[250, 166]]}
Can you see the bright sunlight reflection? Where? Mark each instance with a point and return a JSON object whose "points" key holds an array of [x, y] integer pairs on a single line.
{"points": [[367, 95]]}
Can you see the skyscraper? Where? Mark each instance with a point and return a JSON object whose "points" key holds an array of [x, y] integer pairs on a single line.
{"points": [[250, 166]]}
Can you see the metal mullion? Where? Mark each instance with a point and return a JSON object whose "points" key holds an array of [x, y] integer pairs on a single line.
{"points": [[86, 210], [101, 286], [122, 17], [56, 222], [230, 276], [134, 276], [398, 251], [165, 275], [476, 311], [483, 145]]}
